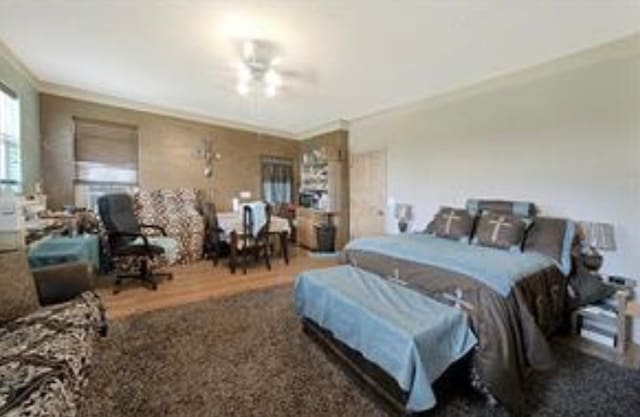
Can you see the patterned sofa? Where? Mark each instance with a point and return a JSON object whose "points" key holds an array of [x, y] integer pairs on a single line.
{"points": [[177, 211], [44, 354]]}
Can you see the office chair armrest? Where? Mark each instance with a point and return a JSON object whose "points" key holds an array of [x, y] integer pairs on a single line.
{"points": [[133, 235], [60, 283], [156, 227]]}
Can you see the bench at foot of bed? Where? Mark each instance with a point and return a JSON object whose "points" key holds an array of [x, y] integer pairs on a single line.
{"points": [[399, 332], [373, 380]]}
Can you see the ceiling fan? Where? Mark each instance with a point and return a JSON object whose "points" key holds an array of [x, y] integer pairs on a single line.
{"points": [[258, 69]]}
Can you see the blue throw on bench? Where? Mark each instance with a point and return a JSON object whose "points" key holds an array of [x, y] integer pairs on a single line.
{"points": [[410, 336]]}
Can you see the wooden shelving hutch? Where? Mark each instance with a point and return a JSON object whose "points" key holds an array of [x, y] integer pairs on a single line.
{"points": [[324, 170]]}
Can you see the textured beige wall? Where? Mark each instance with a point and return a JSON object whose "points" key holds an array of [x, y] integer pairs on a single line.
{"points": [[565, 135], [166, 151]]}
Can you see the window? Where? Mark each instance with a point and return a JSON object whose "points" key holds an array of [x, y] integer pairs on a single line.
{"points": [[277, 179], [10, 166], [106, 160]]}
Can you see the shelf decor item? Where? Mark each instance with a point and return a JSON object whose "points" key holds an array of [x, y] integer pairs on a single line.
{"points": [[403, 213], [207, 153]]}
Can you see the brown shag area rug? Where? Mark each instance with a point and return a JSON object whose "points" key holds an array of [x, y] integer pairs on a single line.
{"points": [[247, 356]]}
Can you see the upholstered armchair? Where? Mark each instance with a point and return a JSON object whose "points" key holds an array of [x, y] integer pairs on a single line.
{"points": [[176, 211], [49, 320]]}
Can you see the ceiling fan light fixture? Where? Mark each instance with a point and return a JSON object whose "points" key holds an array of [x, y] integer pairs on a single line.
{"points": [[243, 88], [257, 69], [272, 78], [276, 61], [248, 50], [244, 74], [270, 90]]}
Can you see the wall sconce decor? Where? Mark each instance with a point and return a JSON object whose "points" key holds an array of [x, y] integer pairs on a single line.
{"points": [[207, 153]]}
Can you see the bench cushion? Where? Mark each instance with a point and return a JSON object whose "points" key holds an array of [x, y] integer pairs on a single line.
{"points": [[409, 335]]}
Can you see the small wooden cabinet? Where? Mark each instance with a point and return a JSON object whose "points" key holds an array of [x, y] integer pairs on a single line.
{"points": [[307, 219]]}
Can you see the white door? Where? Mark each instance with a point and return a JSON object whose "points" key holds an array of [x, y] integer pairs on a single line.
{"points": [[368, 195]]}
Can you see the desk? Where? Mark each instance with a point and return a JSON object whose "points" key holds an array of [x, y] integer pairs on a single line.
{"points": [[58, 250]]}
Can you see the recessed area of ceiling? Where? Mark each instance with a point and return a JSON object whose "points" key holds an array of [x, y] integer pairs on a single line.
{"points": [[339, 59]]}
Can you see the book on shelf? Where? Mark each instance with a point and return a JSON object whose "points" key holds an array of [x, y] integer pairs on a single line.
{"points": [[601, 309], [597, 337], [601, 329]]}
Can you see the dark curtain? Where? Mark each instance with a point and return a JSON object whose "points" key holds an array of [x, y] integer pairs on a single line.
{"points": [[277, 181]]}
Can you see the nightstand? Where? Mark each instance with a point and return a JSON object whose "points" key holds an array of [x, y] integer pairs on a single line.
{"points": [[633, 309], [625, 307], [608, 322], [624, 324]]}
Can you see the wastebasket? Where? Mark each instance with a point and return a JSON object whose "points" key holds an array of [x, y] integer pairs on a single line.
{"points": [[326, 237]]}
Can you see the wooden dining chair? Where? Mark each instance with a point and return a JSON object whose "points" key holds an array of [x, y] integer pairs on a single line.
{"points": [[246, 243], [215, 245]]}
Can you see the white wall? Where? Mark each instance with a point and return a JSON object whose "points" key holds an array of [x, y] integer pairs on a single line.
{"points": [[565, 135]]}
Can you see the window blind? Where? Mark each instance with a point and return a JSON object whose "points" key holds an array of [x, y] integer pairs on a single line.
{"points": [[105, 152]]}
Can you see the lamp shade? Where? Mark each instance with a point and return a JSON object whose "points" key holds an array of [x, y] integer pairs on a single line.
{"points": [[598, 235], [403, 211]]}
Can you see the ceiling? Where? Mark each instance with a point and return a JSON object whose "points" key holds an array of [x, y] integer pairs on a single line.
{"points": [[342, 59]]}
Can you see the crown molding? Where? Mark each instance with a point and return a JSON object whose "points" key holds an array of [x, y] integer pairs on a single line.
{"points": [[340, 124], [85, 95], [15, 62], [105, 99], [620, 48]]}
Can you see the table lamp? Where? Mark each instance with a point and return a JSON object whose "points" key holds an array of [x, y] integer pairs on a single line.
{"points": [[403, 213], [596, 237]]}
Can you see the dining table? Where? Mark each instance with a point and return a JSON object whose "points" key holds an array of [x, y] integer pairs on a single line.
{"points": [[230, 221]]}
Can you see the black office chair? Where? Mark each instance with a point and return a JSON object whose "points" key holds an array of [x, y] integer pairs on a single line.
{"points": [[126, 240]]}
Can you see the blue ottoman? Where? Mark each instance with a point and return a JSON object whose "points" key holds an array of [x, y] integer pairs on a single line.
{"points": [[59, 250]]}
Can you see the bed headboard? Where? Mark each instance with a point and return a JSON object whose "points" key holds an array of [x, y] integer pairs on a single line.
{"points": [[519, 208]]}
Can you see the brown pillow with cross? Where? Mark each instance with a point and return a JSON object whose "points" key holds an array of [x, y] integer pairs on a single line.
{"points": [[500, 230], [451, 223]]}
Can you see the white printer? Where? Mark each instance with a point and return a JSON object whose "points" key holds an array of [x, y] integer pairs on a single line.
{"points": [[12, 231]]}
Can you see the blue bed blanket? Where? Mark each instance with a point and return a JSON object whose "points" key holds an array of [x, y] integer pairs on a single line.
{"points": [[496, 268], [410, 336]]}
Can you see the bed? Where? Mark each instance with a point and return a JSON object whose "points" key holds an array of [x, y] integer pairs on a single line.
{"points": [[514, 300]]}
